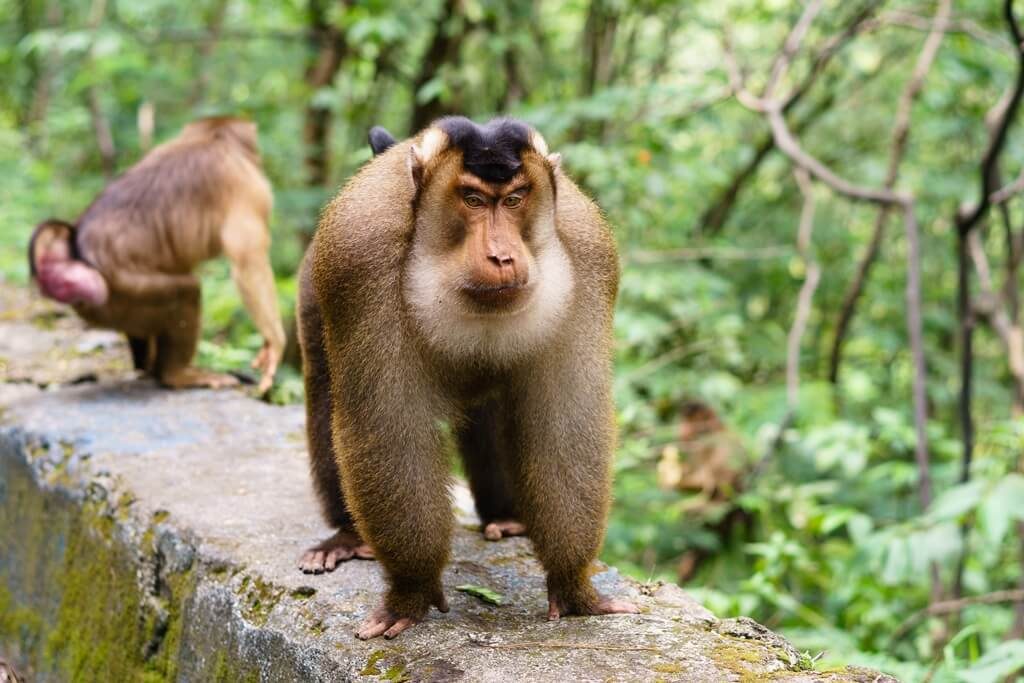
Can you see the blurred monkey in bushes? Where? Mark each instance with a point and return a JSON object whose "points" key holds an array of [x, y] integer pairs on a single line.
{"points": [[127, 263]]}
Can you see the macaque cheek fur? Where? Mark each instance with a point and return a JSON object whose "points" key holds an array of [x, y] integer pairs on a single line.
{"points": [[460, 277], [127, 263]]}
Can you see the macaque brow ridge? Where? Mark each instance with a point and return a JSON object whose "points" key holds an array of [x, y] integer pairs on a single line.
{"points": [[493, 151]]}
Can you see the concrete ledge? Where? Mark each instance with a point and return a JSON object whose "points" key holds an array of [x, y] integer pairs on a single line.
{"points": [[148, 534]]}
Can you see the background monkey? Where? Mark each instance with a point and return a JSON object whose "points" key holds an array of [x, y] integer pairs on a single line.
{"points": [[127, 263], [460, 278]]}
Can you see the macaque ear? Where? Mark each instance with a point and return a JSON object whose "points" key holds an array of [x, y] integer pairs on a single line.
{"points": [[433, 142], [540, 146], [380, 140], [57, 269]]}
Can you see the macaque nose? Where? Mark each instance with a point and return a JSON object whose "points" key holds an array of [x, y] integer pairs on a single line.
{"points": [[501, 259]]}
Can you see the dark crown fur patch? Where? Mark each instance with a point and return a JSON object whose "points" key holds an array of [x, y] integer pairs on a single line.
{"points": [[493, 151]]}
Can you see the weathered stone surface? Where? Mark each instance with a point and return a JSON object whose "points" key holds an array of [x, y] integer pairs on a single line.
{"points": [[153, 534]]}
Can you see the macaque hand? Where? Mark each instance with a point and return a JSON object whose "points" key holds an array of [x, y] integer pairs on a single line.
{"points": [[266, 361]]}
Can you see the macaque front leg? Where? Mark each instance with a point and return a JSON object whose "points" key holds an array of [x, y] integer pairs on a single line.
{"points": [[246, 241], [563, 477], [396, 479]]}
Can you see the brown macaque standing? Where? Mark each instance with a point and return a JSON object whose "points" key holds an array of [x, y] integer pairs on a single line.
{"points": [[714, 465], [460, 278], [714, 462], [127, 263]]}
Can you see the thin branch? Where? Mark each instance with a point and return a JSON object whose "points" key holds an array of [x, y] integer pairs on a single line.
{"points": [[956, 25], [966, 220], [806, 296], [969, 216], [100, 123], [900, 138], [791, 148], [644, 256], [791, 46], [1007, 192], [990, 305], [885, 197], [914, 330], [953, 606]]}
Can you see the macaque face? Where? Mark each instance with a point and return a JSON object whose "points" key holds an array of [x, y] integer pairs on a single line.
{"points": [[488, 269], [489, 245]]}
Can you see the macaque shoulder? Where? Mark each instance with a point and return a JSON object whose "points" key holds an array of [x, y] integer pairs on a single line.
{"points": [[585, 233], [367, 227]]}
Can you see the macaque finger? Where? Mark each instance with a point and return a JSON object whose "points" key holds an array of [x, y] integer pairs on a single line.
{"points": [[502, 528]]}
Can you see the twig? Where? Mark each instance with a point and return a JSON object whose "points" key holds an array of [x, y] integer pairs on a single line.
{"points": [[806, 296], [900, 136], [966, 220], [885, 197], [1005, 193], [953, 606], [990, 305], [790, 47], [956, 25], [714, 217], [100, 124], [643, 256]]}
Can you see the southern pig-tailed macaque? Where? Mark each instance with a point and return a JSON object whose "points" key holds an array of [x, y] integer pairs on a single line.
{"points": [[460, 284], [127, 263]]}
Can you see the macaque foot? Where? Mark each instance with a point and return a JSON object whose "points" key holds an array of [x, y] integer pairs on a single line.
{"points": [[558, 607], [196, 377], [384, 622], [502, 528], [326, 555]]}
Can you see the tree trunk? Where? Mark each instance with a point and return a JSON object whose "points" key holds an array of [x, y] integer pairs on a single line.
{"points": [[443, 49], [329, 46]]}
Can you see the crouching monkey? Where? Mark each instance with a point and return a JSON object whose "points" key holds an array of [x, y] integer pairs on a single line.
{"points": [[460, 279], [127, 263]]}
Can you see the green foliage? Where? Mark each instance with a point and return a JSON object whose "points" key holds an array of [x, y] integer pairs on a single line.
{"points": [[827, 540]]}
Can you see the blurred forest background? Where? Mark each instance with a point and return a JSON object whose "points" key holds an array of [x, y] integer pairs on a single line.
{"points": [[820, 233]]}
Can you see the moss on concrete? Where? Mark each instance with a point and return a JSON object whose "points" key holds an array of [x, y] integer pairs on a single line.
{"points": [[72, 602], [259, 599]]}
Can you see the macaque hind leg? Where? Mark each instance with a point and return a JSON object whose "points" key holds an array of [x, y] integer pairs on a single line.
{"points": [[484, 446], [143, 353], [346, 543], [563, 422], [176, 346]]}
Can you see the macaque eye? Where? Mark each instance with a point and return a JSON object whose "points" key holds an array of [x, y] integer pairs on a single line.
{"points": [[473, 201], [513, 200]]}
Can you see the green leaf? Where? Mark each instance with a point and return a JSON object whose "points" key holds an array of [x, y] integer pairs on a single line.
{"points": [[485, 594], [1000, 507], [996, 664], [957, 501]]}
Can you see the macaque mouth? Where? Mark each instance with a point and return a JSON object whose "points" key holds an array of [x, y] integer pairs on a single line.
{"points": [[498, 297]]}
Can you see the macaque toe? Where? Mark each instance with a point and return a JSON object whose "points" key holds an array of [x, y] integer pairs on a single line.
{"points": [[328, 554], [503, 528], [557, 607], [616, 606], [194, 377], [383, 622]]}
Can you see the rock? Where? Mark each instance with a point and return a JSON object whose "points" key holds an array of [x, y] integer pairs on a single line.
{"points": [[154, 533]]}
